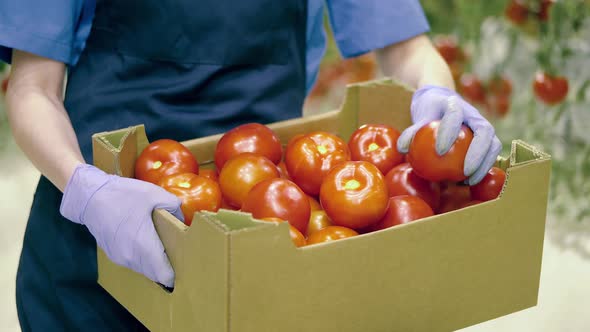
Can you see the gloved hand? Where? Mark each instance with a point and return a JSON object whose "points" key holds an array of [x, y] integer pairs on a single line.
{"points": [[431, 103], [118, 213]]}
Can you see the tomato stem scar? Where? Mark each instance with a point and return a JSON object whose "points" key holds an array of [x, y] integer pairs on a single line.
{"points": [[184, 184], [157, 165], [373, 147], [352, 184], [322, 149]]}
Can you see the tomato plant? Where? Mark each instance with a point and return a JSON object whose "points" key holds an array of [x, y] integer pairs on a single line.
{"points": [[279, 198], [402, 180], [164, 157], [317, 220], [311, 157], [550, 89], [330, 233], [376, 144], [197, 193], [428, 164], [251, 137], [472, 89], [490, 186], [402, 210], [453, 197], [354, 194], [241, 173]]}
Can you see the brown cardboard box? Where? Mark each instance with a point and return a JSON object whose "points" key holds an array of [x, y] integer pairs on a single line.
{"points": [[442, 273]]}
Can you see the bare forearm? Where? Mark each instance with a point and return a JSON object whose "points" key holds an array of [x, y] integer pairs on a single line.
{"points": [[39, 122], [416, 63]]}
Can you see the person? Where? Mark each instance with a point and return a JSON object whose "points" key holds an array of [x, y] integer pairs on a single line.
{"points": [[185, 69]]}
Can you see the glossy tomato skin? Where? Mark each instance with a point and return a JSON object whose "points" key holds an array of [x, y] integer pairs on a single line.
{"points": [[376, 144], [164, 157], [296, 236], [314, 204], [354, 194], [550, 89], [429, 165], [490, 186], [330, 233], [317, 220], [311, 157], [197, 193], [251, 137], [402, 180], [279, 198], [472, 89], [209, 174], [516, 11], [402, 210], [241, 173], [453, 197], [283, 170]]}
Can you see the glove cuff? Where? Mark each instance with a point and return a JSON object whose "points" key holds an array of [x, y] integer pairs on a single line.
{"points": [[84, 182]]}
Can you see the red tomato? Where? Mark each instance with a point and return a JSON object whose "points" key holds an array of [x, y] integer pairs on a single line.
{"points": [[5, 85], [164, 157], [226, 205], [550, 89], [251, 137], [516, 11], [317, 220], [283, 170], [449, 49], [354, 194], [453, 197], [281, 199], [296, 236], [456, 69], [311, 157], [428, 164], [402, 180], [314, 204], [241, 173], [330, 233], [498, 105], [472, 89], [376, 144], [402, 210], [490, 186], [209, 174], [544, 6], [500, 86], [470, 203], [196, 192]]}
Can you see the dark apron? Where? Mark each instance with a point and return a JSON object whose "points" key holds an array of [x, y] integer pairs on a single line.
{"points": [[183, 68]]}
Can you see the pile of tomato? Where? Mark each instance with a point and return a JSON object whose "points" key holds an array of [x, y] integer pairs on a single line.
{"points": [[326, 188]]}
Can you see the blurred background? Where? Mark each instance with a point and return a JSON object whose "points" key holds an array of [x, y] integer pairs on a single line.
{"points": [[524, 64]]}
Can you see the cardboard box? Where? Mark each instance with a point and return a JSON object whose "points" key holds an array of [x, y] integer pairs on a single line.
{"points": [[442, 273]]}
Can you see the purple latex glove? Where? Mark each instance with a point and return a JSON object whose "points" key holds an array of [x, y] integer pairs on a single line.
{"points": [[118, 213], [431, 103]]}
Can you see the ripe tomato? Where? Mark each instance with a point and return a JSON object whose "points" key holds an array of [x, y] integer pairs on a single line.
{"points": [[196, 192], [241, 173], [490, 186], [311, 157], [330, 233], [516, 11], [354, 194], [281, 199], [317, 220], [500, 86], [498, 105], [449, 49], [550, 89], [472, 89], [428, 164], [402, 180], [402, 210], [226, 205], [314, 204], [453, 197], [250, 137], [209, 174], [376, 144], [283, 170], [5, 85], [544, 6], [296, 236], [164, 157]]}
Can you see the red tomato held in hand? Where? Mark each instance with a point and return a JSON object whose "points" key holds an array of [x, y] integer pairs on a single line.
{"points": [[281, 199], [252, 137], [516, 11], [472, 89], [550, 89], [453, 197], [354, 194], [164, 157], [402, 210], [209, 174], [330, 233], [429, 165], [318, 220], [402, 180], [376, 144], [196, 192], [490, 186], [296, 236], [311, 157], [241, 173]]}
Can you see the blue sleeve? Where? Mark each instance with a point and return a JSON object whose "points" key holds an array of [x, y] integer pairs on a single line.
{"points": [[361, 26], [55, 29]]}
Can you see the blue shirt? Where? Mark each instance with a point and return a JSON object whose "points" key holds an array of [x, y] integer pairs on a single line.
{"points": [[58, 29]]}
